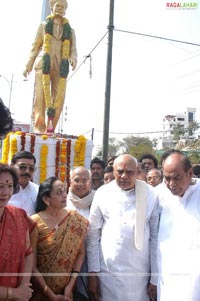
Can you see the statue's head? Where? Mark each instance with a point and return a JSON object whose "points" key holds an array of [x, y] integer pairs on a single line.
{"points": [[62, 2]]}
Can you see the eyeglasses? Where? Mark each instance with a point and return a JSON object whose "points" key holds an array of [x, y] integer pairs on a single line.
{"points": [[152, 178], [24, 167]]}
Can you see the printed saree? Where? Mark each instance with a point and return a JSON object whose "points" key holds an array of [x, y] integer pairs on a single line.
{"points": [[13, 228], [57, 249]]}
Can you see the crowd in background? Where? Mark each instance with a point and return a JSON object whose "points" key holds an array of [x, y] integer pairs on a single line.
{"points": [[127, 229]]}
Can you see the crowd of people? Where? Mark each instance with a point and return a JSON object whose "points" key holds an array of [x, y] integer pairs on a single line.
{"points": [[127, 229]]}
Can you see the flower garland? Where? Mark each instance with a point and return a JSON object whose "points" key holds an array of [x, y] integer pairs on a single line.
{"points": [[32, 147], [46, 65], [68, 163], [63, 160], [23, 141], [57, 158], [6, 148], [13, 148], [43, 162], [79, 151]]}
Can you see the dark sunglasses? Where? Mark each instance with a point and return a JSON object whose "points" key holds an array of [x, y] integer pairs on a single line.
{"points": [[25, 167]]}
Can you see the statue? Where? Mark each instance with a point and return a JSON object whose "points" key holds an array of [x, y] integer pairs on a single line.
{"points": [[53, 50]]}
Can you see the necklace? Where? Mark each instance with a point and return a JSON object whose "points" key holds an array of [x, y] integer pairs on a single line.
{"points": [[51, 220], [51, 104]]}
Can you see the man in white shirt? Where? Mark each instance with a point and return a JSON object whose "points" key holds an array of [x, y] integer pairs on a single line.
{"points": [[179, 230], [24, 164], [122, 238], [79, 198]]}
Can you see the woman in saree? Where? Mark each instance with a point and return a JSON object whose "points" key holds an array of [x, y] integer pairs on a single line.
{"points": [[16, 256], [57, 242]]}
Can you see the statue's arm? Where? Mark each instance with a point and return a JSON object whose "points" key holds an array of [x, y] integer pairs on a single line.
{"points": [[73, 51], [36, 48]]}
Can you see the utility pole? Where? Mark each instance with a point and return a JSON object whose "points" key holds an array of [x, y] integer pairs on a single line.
{"points": [[108, 83], [45, 9]]}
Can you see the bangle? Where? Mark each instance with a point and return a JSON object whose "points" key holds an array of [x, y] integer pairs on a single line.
{"points": [[45, 289], [74, 274], [9, 293]]}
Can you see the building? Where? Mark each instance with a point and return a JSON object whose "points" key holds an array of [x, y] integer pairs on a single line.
{"points": [[180, 122]]}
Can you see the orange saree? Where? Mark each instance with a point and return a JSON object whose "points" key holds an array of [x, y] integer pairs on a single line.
{"points": [[57, 249], [13, 228]]}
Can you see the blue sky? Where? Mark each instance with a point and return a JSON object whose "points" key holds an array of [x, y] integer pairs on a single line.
{"points": [[150, 77]]}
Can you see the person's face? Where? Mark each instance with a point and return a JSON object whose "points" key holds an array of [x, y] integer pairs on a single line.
{"points": [[59, 8], [80, 183], [108, 177], [125, 172], [147, 164], [6, 188], [153, 177], [25, 169], [175, 177], [57, 199], [97, 171]]}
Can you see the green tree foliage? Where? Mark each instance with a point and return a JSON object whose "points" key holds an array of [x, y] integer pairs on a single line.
{"points": [[113, 148], [193, 126], [136, 146], [178, 131]]}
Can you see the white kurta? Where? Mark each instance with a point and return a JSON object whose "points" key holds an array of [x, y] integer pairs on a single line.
{"points": [[179, 245], [124, 271], [25, 198]]}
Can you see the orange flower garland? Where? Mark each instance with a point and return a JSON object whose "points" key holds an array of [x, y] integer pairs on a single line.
{"points": [[23, 141], [43, 162], [57, 158], [32, 148], [79, 151], [68, 163], [63, 160]]}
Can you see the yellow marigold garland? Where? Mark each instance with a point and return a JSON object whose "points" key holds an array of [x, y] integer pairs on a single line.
{"points": [[6, 148], [43, 162], [79, 151]]}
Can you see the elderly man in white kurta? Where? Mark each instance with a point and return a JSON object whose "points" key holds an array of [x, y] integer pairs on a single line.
{"points": [[179, 231], [122, 238]]}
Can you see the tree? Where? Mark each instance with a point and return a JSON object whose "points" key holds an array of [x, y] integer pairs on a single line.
{"points": [[178, 131], [113, 148], [136, 146], [192, 127]]}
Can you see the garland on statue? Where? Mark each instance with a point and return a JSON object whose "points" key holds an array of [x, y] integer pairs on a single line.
{"points": [[46, 65]]}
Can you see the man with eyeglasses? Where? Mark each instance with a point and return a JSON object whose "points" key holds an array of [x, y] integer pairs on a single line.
{"points": [[24, 164], [122, 237], [79, 198], [154, 177], [179, 230]]}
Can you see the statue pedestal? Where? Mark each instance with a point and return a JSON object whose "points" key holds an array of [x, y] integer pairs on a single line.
{"points": [[55, 155]]}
